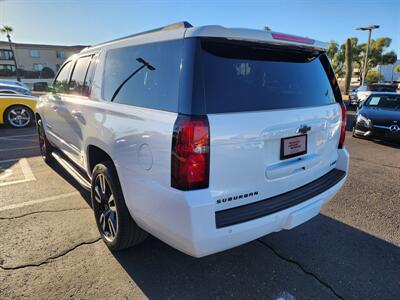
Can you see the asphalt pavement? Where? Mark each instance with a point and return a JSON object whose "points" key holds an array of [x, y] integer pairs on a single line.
{"points": [[50, 247]]}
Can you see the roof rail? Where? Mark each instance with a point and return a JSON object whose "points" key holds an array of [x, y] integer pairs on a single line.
{"points": [[178, 25]]}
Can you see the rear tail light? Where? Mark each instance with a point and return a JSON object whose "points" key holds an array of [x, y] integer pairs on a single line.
{"points": [[343, 126], [190, 161]]}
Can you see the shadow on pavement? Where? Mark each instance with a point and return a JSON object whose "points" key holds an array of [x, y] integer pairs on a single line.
{"points": [[354, 263]]}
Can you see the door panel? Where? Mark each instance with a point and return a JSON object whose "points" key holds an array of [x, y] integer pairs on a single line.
{"points": [[72, 121]]}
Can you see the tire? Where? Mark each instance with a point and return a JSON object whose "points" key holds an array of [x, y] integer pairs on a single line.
{"points": [[109, 206], [18, 116], [45, 147]]}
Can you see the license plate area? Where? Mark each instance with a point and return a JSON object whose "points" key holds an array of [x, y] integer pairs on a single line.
{"points": [[293, 146]]}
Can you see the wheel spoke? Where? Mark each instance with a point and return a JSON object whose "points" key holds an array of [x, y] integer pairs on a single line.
{"points": [[97, 195], [102, 180], [102, 221], [13, 112], [111, 203], [111, 227]]}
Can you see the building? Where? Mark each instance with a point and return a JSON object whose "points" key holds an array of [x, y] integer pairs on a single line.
{"points": [[388, 72], [35, 61]]}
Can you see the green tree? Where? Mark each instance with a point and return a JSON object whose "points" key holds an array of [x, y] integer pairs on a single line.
{"points": [[377, 53], [7, 30], [372, 76], [336, 55], [267, 28]]}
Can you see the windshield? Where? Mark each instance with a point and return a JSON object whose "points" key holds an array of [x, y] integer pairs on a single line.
{"points": [[247, 76], [384, 101]]}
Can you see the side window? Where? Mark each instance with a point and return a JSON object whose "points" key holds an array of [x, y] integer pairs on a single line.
{"points": [[61, 82], [144, 75], [77, 82], [89, 77]]}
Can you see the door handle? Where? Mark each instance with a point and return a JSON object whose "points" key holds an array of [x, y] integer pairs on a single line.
{"points": [[78, 115]]}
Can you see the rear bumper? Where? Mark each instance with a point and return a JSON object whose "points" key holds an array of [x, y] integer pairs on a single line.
{"points": [[278, 203], [188, 224]]}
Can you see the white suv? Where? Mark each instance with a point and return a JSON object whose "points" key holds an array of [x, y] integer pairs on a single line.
{"points": [[205, 137]]}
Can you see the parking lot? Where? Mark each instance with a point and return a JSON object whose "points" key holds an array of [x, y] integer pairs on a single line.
{"points": [[50, 247]]}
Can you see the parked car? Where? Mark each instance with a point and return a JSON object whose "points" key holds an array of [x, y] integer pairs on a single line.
{"points": [[379, 117], [205, 137], [358, 94], [14, 82], [17, 110], [362, 92], [40, 86], [7, 88]]}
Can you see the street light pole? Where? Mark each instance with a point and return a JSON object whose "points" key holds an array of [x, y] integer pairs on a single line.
{"points": [[369, 28]]}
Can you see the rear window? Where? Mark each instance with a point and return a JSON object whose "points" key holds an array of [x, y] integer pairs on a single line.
{"points": [[252, 77], [129, 81]]}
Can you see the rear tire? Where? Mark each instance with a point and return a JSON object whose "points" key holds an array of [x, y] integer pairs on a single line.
{"points": [[116, 226], [45, 147]]}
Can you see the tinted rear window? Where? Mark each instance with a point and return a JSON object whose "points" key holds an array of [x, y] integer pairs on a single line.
{"points": [[252, 77], [156, 87]]}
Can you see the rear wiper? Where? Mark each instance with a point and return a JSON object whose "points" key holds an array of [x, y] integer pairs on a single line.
{"points": [[144, 63]]}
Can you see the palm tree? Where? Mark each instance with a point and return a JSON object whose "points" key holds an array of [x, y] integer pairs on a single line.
{"points": [[7, 30]]}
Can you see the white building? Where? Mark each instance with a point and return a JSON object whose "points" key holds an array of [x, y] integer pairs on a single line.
{"points": [[388, 73]]}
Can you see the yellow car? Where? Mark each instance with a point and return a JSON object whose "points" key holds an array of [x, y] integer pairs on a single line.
{"points": [[17, 110]]}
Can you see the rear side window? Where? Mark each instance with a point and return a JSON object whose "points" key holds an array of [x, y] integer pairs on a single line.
{"points": [[144, 75], [61, 82], [251, 77], [77, 82], [87, 86]]}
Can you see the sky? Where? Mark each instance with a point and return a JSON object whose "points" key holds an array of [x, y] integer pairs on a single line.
{"points": [[88, 22]]}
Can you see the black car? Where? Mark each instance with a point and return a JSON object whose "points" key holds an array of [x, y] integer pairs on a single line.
{"points": [[379, 117]]}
